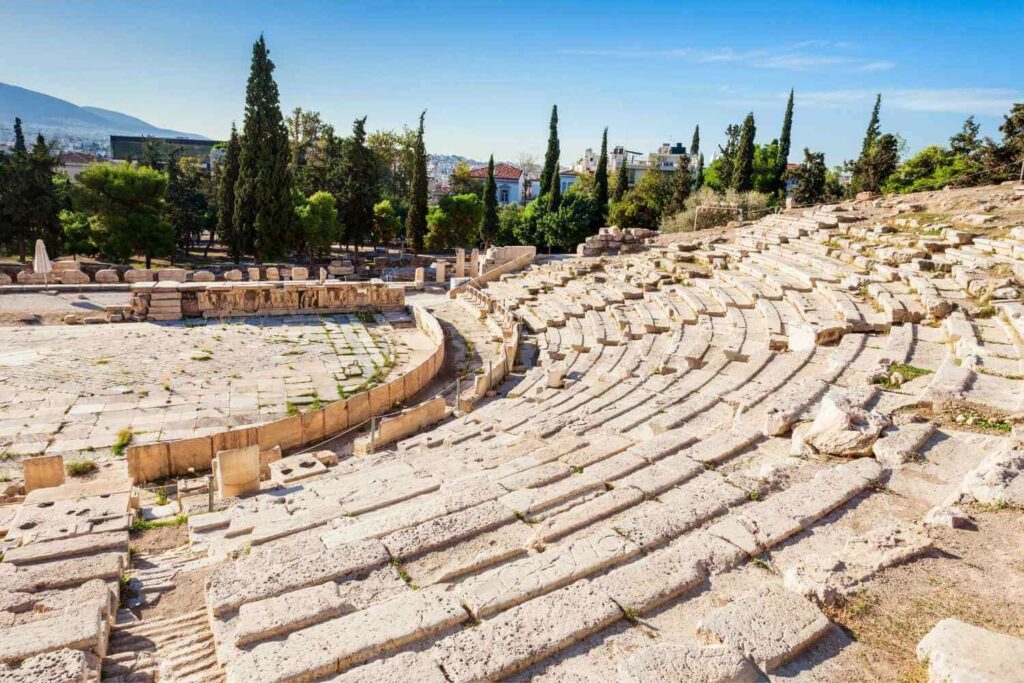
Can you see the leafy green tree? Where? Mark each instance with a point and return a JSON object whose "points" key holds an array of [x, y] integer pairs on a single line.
{"points": [[570, 223], [188, 208], [454, 221], [462, 180], [509, 219], [875, 162], [489, 221], [549, 174], [317, 217], [359, 187], [416, 220], [621, 182], [779, 184], [695, 141], [966, 143], [125, 206], [43, 198], [680, 186], [601, 184], [766, 169], [743, 175], [810, 179], [1012, 129], [77, 232], [933, 168], [527, 229], [264, 212], [312, 149], [643, 206], [227, 178], [152, 155], [395, 153], [386, 223]]}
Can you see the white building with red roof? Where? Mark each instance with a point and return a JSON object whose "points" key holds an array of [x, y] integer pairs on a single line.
{"points": [[511, 182]]}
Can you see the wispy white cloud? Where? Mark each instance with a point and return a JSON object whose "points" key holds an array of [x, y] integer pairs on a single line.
{"points": [[981, 101], [802, 56]]}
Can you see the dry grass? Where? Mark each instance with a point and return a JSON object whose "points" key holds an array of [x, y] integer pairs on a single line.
{"points": [[890, 624]]}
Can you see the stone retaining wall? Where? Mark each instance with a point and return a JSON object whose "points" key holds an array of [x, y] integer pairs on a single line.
{"points": [[175, 458], [173, 300], [525, 257]]}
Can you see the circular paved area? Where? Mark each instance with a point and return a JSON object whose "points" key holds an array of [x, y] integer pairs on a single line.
{"points": [[68, 389]]}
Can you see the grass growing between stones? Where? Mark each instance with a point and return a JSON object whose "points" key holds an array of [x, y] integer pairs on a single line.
{"points": [[79, 468], [139, 524], [124, 437], [909, 372]]}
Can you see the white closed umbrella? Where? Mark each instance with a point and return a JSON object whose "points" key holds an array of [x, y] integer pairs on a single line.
{"points": [[41, 262]]}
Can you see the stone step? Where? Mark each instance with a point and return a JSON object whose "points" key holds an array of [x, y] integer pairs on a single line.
{"points": [[339, 644]]}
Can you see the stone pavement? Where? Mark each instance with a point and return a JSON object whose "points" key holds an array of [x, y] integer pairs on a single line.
{"points": [[72, 389]]}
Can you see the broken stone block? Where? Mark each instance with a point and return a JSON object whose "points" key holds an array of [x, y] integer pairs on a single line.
{"points": [[237, 471], [842, 428], [295, 468], [43, 472], [947, 516], [770, 626], [997, 480], [960, 652], [902, 444]]}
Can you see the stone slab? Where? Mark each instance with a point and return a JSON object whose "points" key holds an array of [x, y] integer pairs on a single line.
{"points": [[958, 652]]}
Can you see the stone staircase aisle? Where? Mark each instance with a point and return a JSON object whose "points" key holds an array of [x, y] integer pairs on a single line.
{"points": [[178, 649]]}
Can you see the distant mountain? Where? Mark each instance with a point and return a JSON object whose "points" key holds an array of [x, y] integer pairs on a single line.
{"points": [[54, 117]]}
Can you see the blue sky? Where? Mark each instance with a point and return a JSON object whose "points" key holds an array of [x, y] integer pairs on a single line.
{"points": [[488, 72]]}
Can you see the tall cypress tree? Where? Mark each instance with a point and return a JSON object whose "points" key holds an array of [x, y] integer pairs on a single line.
{"points": [[681, 186], [489, 221], [698, 181], [19, 137], [621, 181], [695, 142], [555, 193], [874, 127], [416, 219], [601, 183], [358, 186], [784, 144], [263, 194], [550, 169], [228, 171], [743, 173]]}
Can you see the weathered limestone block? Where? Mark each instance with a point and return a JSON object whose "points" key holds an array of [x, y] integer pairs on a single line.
{"points": [[300, 273], [107, 276], [253, 274], [5, 279], [74, 277], [770, 626], [947, 516], [439, 270], [203, 276], [139, 275], [901, 445], [79, 628], [295, 468], [286, 613], [958, 652], [687, 662], [828, 579], [63, 666], [233, 275], [841, 428], [998, 479], [238, 471], [273, 274], [172, 275], [44, 471]]}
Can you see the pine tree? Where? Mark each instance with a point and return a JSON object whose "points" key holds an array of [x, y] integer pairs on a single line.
{"points": [[695, 142], [810, 179], [601, 184], [264, 213], [358, 187], [416, 219], [550, 170], [681, 186], [19, 137], [784, 145], [489, 221], [43, 199], [621, 181], [151, 155], [698, 181], [727, 155], [743, 173], [878, 156], [228, 177]]}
